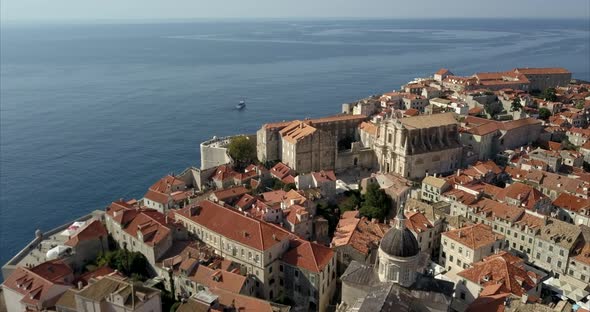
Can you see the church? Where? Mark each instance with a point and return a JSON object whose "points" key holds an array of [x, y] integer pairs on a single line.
{"points": [[397, 281], [415, 147]]}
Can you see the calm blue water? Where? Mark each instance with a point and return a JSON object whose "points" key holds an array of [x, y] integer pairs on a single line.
{"points": [[93, 113]]}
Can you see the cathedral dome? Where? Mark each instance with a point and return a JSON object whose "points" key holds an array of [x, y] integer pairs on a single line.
{"points": [[400, 242]]}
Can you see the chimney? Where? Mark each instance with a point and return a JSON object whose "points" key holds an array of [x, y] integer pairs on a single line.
{"points": [[374, 220], [458, 172], [80, 285]]}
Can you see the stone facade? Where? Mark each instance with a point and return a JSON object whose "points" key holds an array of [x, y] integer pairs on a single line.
{"points": [[416, 146]]}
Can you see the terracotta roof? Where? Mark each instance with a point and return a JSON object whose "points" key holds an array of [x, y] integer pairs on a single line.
{"points": [[474, 236], [542, 71], [151, 224], [490, 303], [360, 234], [417, 222], [571, 202], [273, 196], [165, 184], [92, 230], [461, 196], [234, 225], [244, 303], [324, 176], [288, 179], [297, 131], [39, 286], [157, 197], [280, 170], [442, 71], [493, 209], [223, 173], [502, 271], [531, 221], [309, 256], [525, 194], [102, 271], [218, 279], [246, 201], [368, 127], [295, 211], [232, 192]]}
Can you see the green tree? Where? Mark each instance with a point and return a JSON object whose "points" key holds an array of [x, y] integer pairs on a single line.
{"points": [[132, 264], [351, 202], [242, 150], [580, 105], [376, 204], [516, 105], [567, 145], [549, 95], [278, 184], [289, 186], [544, 113]]}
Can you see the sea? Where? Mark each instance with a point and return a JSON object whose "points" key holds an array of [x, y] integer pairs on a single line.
{"points": [[94, 112]]}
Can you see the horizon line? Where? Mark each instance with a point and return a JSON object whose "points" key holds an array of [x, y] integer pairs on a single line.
{"points": [[294, 18]]}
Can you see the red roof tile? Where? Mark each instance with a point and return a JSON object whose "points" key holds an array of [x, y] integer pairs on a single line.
{"points": [[309, 256], [234, 225], [474, 236]]}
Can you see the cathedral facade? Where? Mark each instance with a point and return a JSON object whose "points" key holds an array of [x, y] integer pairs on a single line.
{"points": [[417, 146]]}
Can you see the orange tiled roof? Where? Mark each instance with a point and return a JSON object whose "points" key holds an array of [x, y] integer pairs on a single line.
{"points": [[218, 279], [157, 197], [368, 127], [296, 131], [474, 236], [542, 71], [92, 230], [152, 225], [525, 194], [234, 225], [164, 185], [324, 176], [493, 209], [280, 170], [504, 272], [309, 256], [39, 286], [417, 222], [232, 192], [442, 71], [571, 202], [360, 234]]}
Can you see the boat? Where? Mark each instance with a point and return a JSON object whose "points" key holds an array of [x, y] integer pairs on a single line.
{"points": [[241, 105]]}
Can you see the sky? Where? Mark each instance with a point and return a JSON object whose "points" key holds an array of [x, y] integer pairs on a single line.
{"points": [[91, 10]]}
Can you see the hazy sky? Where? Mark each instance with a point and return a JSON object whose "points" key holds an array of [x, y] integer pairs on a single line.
{"points": [[22, 10]]}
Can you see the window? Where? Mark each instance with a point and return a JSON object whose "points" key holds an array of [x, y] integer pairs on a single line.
{"points": [[451, 258], [462, 295], [281, 268], [561, 252], [550, 247], [559, 264], [540, 244], [538, 256], [296, 273], [467, 253], [460, 249], [549, 259]]}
